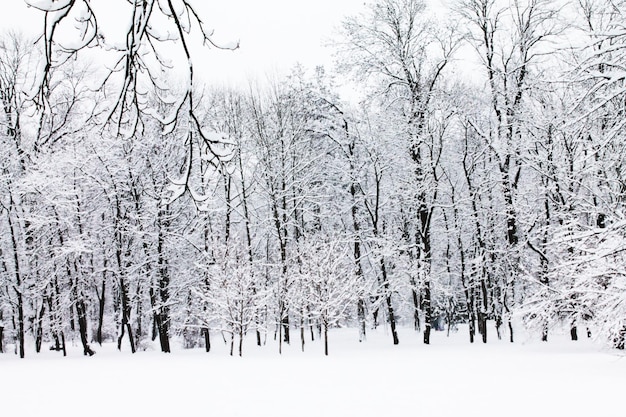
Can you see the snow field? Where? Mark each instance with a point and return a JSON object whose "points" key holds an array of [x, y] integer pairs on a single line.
{"points": [[448, 378]]}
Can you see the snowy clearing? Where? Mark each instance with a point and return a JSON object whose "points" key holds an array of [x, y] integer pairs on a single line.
{"points": [[448, 378]]}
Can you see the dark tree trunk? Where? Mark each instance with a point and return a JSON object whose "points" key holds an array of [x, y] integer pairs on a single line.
{"points": [[279, 328], [375, 317], [63, 344], [374, 215], [573, 332], [163, 330], [162, 309], [467, 286], [17, 288], [244, 201], [101, 304], [138, 314], [426, 253], [155, 328], [123, 290], [54, 307], [416, 307], [360, 306], [204, 330], [1, 329], [302, 338], [326, 338], [241, 341], [72, 324], [81, 311], [282, 306], [82, 326], [285, 326], [356, 227], [482, 315], [427, 312], [498, 322], [20, 319], [126, 326], [207, 339], [38, 327], [482, 325], [479, 304], [392, 317]]}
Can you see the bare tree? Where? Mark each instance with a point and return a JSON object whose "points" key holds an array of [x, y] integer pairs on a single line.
{"points": [[509, 39], [400, 49]]}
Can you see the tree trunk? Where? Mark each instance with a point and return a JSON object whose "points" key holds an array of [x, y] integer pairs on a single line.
{"points": [[162, 308], [285, 325], [427, 312], [72, 324], [82, 326], [163, 331], [126, 326], [326, 338], [375, 317], [17, 288], [482, 325], [356, 227], [302, 330], [1, 330], [279, 327], [63, 344], [54, 307], [207, 339], [425, 216], [101, 304], [241, 341], [38, 327], [416, 307], [246, 215], [483, 313], [467, 286], [392, 317]]}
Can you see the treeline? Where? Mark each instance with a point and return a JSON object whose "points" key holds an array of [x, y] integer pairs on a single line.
{"points": [[442, 197]]}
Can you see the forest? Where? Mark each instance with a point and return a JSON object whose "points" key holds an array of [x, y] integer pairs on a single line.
{"points": [[460, 165]]}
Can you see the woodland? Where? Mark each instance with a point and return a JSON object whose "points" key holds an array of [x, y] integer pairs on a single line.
{"points": [[460, 165]]}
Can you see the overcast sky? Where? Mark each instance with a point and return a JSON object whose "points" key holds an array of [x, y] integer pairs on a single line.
{"points": [[274, 34]]}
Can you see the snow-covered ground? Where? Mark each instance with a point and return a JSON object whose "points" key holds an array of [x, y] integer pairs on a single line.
{"points": [[448, 378]]}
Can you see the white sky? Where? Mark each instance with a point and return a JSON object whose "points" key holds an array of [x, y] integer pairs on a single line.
{"points": [[274, 34]]}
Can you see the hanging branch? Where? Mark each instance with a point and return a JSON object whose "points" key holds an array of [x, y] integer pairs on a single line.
{"points": [[139, 55]]}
